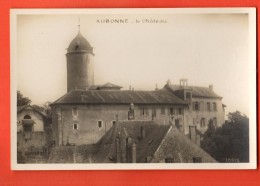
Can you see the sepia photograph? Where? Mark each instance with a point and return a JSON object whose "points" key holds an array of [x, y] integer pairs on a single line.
{"points": [[170, 88]]}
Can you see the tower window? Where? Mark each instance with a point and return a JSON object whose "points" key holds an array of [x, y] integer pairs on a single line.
{"points": [[100, 124], [75, 126], [188, 95]]}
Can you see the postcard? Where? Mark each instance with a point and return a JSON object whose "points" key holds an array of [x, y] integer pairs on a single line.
{"points": [[166, 88]]}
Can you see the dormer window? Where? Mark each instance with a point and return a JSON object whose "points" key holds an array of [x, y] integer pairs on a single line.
{"points": [[188, 95]]}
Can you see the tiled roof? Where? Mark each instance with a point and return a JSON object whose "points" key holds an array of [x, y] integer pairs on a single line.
{"points": [[119, 97], [196, 91], [132, 129], [179, 147], [160, 142]]}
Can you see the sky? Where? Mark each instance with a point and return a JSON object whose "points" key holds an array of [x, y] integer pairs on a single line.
{"points": [[203, 48]]}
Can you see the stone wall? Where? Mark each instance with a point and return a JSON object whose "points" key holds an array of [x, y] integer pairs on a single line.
{"points": [[29, 139]]}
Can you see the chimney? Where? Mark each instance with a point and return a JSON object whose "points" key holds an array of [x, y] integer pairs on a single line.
{"points": [[198, 140], [183, 82], [156, 87], [168, 82], [211, 87], [133, 153], [142, 133], [194, 137], [118, 152], [128, 153], [193, 133]]}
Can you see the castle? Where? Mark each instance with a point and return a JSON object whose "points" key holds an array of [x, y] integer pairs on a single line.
{"points": [[87, 111]]}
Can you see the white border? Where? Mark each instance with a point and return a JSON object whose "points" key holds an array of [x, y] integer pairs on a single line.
{"points": [[158, 166]]}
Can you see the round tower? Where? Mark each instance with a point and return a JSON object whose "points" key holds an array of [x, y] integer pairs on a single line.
{"points": [[80, 66]]}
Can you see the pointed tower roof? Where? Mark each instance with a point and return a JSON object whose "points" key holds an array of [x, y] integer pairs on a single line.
{"points": [[80, 44]]}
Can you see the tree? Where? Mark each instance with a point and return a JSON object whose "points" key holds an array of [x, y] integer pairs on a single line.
{"points": [[46, 109], [21, 101], [230, 142]]}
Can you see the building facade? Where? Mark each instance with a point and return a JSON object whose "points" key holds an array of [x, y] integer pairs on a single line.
{"points": [[205, 105], [84, 116]]}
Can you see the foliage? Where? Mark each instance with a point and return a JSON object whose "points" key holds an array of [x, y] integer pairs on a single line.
{"points": [[230, 142], [21, 101], [45, 108]]}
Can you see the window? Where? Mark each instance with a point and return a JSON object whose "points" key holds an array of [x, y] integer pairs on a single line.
{"points": [[208, 106], [197, 160], [75, 126], [188, 95], [162, 111], [27, 117], [100, 124], [144, 112], [202, 123], [215, 122], [179, 111], [113, 122], [27, 128], [196, 106], [75, 111], [169, 160], [171, 111], [214, 106], [154, 112]]}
